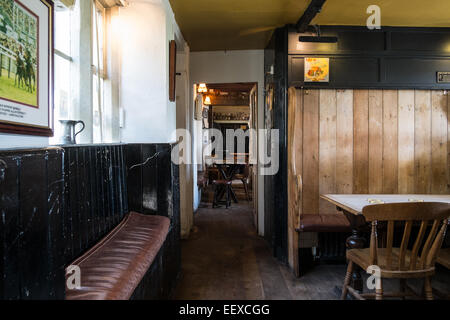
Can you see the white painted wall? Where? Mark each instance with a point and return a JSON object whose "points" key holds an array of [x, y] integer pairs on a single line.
{"points": [[229, 67], [8, 141], [146, 29]]}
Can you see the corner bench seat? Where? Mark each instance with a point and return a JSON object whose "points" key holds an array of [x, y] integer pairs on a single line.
{"points": [[114, 267], [324, 223]]}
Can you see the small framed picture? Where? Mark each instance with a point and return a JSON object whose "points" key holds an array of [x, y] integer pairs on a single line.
{"points": [[317, 70], [172, 70], [26, 67]]}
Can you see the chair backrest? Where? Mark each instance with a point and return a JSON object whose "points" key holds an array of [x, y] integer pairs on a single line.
{"points": [[432, 217], [246, 171]]}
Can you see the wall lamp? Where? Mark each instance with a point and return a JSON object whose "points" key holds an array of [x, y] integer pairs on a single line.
{"points": [[202, 88]]}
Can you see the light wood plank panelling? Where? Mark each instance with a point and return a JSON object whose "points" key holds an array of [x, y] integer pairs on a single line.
{"points": [[406, 141], [422, 154], [439, 127], [327, 148], [298, 142], [371, 141], [311, 152], [294, 136], [361, 141], [344, 141], [390, 141], [375, 141]]}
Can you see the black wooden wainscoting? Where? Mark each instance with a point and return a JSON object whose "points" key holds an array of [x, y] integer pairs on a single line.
{"points": [[392, 57], [31, 228], [275, 208], [56, 203], [95, 195], [154, 188]]}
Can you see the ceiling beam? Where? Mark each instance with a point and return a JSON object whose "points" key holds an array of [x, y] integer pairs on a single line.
{"points": [[313, 9]]}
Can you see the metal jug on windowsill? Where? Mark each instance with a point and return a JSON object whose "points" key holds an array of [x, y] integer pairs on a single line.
{"points": [[68, 131]]}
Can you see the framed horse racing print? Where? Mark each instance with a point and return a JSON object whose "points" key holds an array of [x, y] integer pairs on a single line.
{"points": [[26, 67]]}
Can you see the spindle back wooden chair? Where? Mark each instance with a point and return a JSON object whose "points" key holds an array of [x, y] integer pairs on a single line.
{"points": [[404, 262]]}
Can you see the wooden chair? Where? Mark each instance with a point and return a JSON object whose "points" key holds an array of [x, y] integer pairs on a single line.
{"points": [[444, 255], [244, 176], [401, 263], [444, 258], [221, 188]]}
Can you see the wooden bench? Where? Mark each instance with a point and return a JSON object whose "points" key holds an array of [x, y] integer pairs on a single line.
{"points": [[323, 223], [316, 222], [326, 232]]}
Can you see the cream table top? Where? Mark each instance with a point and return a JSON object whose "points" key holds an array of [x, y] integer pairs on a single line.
{"points": [[354, 203]]}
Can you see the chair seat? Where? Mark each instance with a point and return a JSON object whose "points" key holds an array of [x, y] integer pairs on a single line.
{"points": [[222, 182], [444, 258], [324, 223], [362, 258], [113, 268]]}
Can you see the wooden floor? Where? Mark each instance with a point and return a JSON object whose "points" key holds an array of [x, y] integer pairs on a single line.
{"points": [[225, 259]]}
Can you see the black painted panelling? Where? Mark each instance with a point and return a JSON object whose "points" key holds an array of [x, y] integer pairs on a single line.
{"points": [[399, 58], [149, 189], [31, 203], [343, 70], [152, 184], [55, 209], [95, 193], [361, 41], [276, 202], [280, 123], [416, 40], [385, 41], [56, 203], [269, 62], [154, 188], [414, 71], [33, 246], [10, 227], [134, 176]]}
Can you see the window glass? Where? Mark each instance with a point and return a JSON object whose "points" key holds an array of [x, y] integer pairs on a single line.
{"points": [[62, 88], [62, 31], [63, 66], [98, 56]]}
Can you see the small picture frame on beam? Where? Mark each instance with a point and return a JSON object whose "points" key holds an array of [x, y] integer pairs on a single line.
{"points": [[172, 70]]}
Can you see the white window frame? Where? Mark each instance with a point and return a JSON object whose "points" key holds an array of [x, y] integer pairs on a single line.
{"points": [[101, 74], [67, 56]]}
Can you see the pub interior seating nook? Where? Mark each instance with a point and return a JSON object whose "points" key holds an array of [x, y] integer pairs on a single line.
{"points": [[239, 149]]}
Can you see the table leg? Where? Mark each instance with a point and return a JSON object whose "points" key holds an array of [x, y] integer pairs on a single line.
{"points": [[356, 241], [233, 195]]}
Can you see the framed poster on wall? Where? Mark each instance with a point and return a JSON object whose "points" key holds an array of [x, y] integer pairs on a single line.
{"points": [[317, 69], [26, 67]]}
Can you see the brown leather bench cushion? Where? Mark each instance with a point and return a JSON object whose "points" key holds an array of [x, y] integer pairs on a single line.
{"points": [[444, 258], [113, 268], [324, 223]]}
